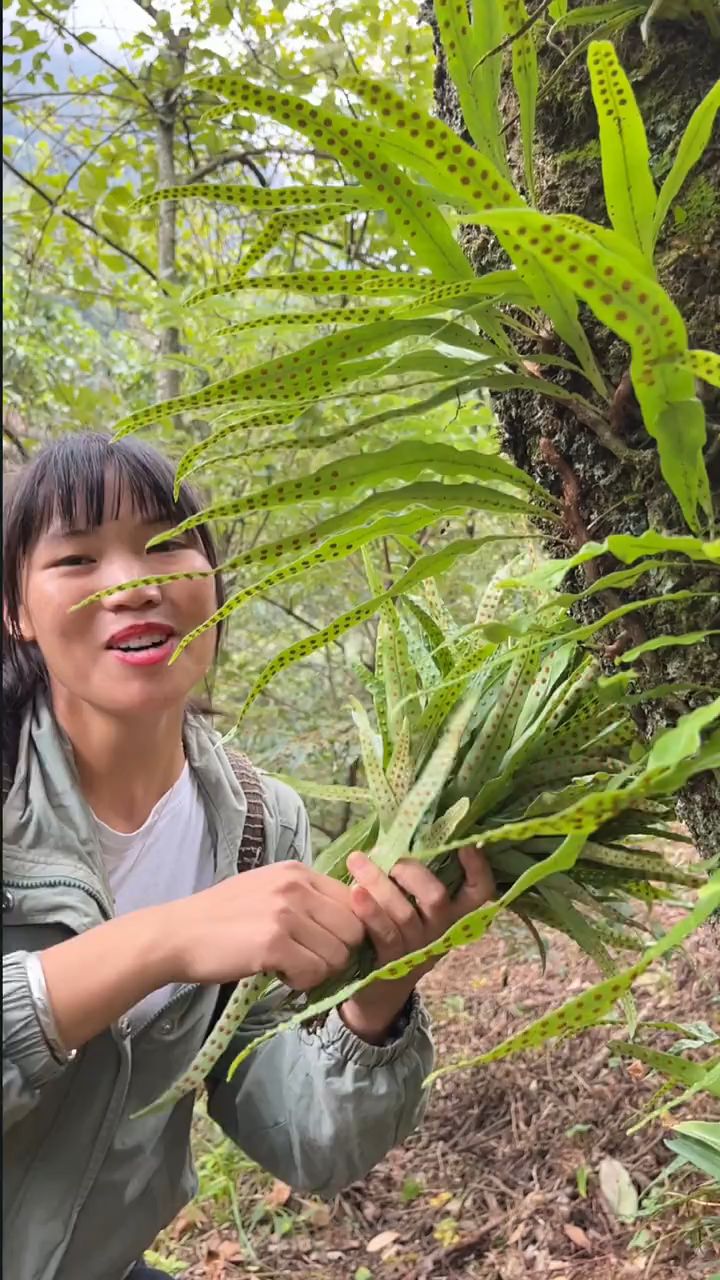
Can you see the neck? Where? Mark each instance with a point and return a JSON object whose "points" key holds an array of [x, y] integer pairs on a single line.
{"points": [[125, 765]]}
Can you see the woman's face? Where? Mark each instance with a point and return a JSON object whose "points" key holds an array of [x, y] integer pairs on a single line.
{"points": [[113, 655]]}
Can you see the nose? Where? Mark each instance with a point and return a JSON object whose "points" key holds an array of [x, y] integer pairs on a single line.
{"points": [[144, 595]]}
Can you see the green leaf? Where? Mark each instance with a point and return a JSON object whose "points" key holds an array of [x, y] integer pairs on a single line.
{"points": [[680, 1070], [306, 374], [424, 227], [707, 1131], [430, 148], [665, 642], [587, 15], [684, 739], [624, 546], [641, 313], [261, 199], [525, 79], [706, 364], [478, 87], [322, 791], [629, 189], [395, 842], [381, 793], [690, 149], [697, 1152], [476, 180], [376, 283]]}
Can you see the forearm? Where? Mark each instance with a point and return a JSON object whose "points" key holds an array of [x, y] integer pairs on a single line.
{"points": [[94, 978], [320, 1109]]}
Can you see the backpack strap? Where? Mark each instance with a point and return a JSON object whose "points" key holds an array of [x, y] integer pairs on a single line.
{"points": [[252, 845], [250, 855]]}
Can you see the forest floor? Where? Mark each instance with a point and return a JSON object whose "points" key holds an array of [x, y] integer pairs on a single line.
{"points": [[501, 1182]]}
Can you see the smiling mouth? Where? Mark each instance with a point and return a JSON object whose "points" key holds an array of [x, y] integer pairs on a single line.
{"points": [[140, 643]]}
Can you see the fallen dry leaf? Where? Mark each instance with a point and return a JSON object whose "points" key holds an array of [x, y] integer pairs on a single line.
{"points": [[230, 1251], [618, 1189], [319, 1214], [578, 1236], [191, 1217], [278, 1194], [381, 1241], [636, 1070]]}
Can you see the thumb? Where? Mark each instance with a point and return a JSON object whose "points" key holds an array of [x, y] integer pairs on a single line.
{"points": [[479, 885]]}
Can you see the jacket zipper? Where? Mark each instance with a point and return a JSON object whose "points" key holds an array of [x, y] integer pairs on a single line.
{"points": [[64, 882]]}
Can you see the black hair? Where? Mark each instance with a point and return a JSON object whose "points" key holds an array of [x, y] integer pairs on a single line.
{"points": [[82, 476]]}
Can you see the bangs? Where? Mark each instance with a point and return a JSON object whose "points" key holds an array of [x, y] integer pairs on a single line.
{"points": [[83, 480]]}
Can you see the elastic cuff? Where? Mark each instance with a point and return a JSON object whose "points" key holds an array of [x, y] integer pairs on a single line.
{"points": [[26, 1044], [338, 1040]]}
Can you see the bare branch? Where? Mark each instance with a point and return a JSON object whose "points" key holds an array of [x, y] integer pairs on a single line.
{"points": [[80, 222], [60, 26], [244, 157], [218, 162], [54, 206], [13, 436]]}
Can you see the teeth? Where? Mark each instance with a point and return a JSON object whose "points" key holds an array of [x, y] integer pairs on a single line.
{"points": [[142, 642]]}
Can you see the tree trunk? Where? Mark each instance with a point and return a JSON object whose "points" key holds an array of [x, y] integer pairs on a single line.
{"points": [[604, 493]]}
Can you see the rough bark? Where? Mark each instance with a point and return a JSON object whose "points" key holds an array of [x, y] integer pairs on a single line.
{"points": [[603, 493]]}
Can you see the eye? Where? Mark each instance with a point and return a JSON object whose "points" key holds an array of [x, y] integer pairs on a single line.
{"points": [[172, 544], [71, 562]]}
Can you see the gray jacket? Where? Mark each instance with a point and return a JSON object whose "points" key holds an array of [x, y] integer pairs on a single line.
{"points": [[86, 1189]]}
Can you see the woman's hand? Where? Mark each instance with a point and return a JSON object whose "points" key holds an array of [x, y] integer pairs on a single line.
{"points": [[396, 927], [284, 918]]}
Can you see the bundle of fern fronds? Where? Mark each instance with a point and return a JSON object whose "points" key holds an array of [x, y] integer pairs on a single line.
{"points": [[513, 741]]}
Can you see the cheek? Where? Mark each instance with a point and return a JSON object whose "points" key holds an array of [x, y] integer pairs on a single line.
{"points": [[193, 601], [46, 618]]}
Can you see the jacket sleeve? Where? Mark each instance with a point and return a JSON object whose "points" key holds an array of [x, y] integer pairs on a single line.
{"points": [[319, 1109], [28, 1064]]}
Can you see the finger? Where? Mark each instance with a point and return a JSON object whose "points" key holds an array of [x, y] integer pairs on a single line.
{"points": [[323, 943], [382, 930], [334, 890], [479, 884], [338, 919], [389, 897], [299, 968], [431, 897]]}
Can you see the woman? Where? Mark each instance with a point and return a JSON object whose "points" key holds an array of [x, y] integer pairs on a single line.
{"points": [[123, 909]]}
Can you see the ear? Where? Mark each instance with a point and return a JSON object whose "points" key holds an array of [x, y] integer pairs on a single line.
{"points": [[25, 629]]}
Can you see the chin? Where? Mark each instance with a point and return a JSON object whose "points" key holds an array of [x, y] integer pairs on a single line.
{"points": [[142, 701]]}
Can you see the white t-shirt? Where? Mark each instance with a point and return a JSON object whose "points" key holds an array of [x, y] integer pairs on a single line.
{"points": [[169, 857]]}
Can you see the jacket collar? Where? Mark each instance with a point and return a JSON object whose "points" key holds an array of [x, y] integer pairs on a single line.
{"points": [[48, 829]]}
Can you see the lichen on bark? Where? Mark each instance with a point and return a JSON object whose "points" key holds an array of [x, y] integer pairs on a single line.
{"points": [[626, 493]]}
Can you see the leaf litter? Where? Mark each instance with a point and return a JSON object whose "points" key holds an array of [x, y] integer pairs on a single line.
{"points": [[528, 1158]]}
